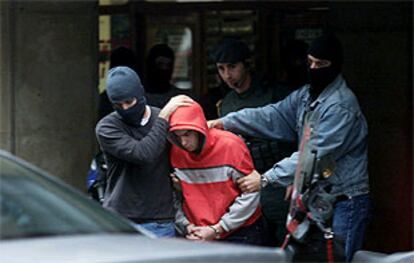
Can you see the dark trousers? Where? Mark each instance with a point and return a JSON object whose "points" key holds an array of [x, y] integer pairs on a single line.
{"points": [[275, 210], [315, 248], [249, 235]]}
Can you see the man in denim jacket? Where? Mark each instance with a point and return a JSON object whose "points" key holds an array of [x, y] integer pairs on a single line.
{"points": [[341, 133]]}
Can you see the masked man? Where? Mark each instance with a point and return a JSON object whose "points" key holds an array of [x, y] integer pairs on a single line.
{"points": [[342, 133], [159, 71], [133, 139]]}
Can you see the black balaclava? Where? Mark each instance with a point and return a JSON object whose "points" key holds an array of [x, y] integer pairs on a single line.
{"points": [[122, 84], [326, 47], [123, 56], [160, 67]]}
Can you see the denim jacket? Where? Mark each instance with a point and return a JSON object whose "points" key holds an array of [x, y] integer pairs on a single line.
{"points": [[341, 133]]}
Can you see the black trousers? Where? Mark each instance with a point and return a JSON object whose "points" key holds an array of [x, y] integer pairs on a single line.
{"points": [[250, 235], [315, 248]]}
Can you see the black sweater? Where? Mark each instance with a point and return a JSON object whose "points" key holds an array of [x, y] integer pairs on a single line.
{"points": [[139, 185]]}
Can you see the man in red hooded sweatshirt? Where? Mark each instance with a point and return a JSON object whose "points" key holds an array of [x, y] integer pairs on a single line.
{"points": [[208, 162]]}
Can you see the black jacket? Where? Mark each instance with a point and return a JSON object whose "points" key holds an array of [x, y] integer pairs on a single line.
{"points": [[138, 184]]}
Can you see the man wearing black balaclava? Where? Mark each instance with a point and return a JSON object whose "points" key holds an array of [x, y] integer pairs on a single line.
{"points": [[133, 141], [340, 133], [159, 67], [325, 63], [120, 56], [159, 71]]}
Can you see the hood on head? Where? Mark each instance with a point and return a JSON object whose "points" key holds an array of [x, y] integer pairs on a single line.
{"points": [[188, 118]]}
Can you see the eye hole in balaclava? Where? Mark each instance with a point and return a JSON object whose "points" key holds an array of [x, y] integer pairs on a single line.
{"points": [[326, 47]]}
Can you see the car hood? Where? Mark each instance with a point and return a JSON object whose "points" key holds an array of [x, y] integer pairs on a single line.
{"points": [[130, 248]]}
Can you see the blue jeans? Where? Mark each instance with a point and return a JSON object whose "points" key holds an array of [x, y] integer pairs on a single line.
{"points": [[160, 229], [350, 221]]}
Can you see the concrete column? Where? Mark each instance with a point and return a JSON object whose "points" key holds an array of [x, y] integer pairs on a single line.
{"points": [[6, 93], [49, 84]]}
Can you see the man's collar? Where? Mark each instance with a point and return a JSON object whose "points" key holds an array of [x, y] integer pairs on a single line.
{"points": [[145, 120]]}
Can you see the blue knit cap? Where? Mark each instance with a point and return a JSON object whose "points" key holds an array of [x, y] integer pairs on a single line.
{"points": [[122, 83]]}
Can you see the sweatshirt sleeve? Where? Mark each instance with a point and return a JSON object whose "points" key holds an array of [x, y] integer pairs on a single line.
{"points": [[245, 204], [115, 141], [181, 220], [242, 208]]}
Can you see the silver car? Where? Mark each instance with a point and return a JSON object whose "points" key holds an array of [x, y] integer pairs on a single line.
{"points": [[44, 220]]}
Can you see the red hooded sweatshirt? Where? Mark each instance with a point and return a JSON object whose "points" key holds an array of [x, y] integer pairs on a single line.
{"points": [[208, 177]]}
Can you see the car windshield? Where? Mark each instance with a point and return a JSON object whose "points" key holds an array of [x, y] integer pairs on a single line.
{"points": [[33, 204]]}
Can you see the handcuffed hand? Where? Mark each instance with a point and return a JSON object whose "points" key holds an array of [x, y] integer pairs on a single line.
{"points": [[191, 233], [204, 233]]}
